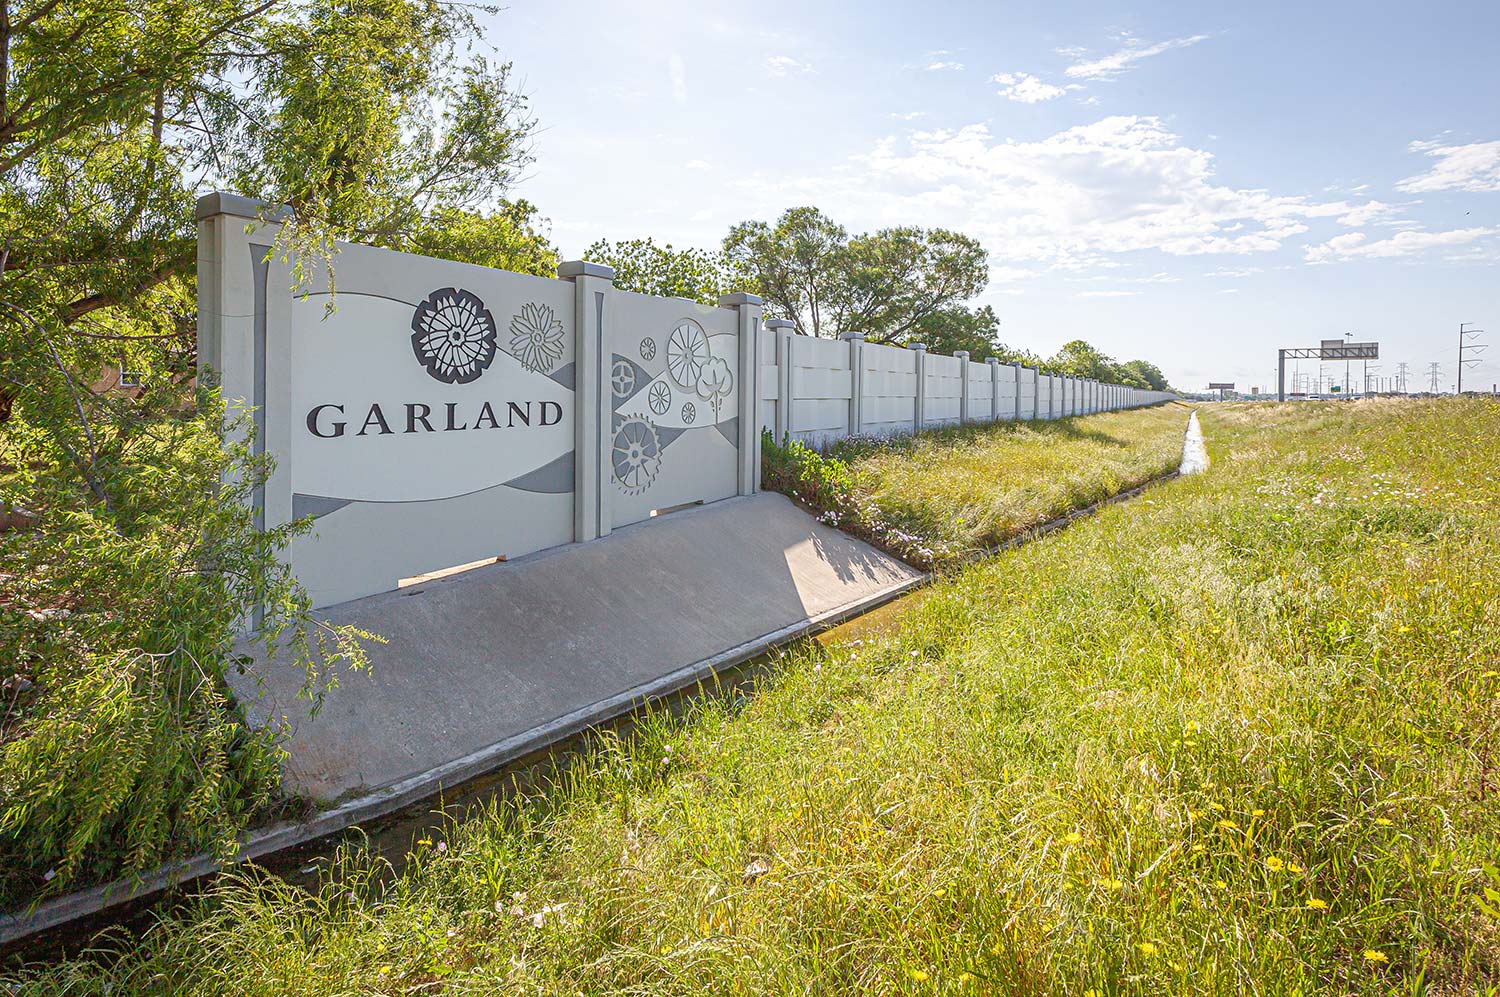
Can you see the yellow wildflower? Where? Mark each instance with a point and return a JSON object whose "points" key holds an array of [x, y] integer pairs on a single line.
{"points": [[1274, 864], [1221, 884], [1147, 948], [1257, 813], [1383, 821], [1293, 867], [1113, 884], [1198, 846], [1313, 903], [1073, 838], [1373, 955], [919, 975], [965, 977], [1229, 825]]}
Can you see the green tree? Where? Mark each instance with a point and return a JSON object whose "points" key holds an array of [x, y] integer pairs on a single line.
{"points": [[949, 330], [1079, 359], [883, 284], [889, 282], [794, 265], [643, 266], [1140, 374], [119, 603], [508, 238], [363, 116]]}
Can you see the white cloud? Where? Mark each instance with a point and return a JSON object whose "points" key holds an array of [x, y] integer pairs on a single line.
{"points": [[1027, 89], [1474, 167], [696, 164], [1106, 294], [1070, 201], [1353, 245], [778, 66], [940, 66], [677, 71], [1370, 211], [908, 115], [1113, 65], [1233, 272]]}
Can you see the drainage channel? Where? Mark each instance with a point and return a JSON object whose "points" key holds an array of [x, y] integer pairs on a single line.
{"points": [[391, 836]]}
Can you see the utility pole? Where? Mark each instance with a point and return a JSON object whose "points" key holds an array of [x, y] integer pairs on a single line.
{"points": [[1434, 370], [1465, 346]]}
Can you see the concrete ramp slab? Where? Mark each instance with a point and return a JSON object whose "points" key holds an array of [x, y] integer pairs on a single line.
{"points": [[482, 666]]}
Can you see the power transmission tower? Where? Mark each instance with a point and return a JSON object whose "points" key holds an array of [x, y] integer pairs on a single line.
{"points": [[1465, 345], [1401, 377], [1434, 371]]}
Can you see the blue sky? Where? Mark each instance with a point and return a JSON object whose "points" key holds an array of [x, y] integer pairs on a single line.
{"points": [[1195, 184]]}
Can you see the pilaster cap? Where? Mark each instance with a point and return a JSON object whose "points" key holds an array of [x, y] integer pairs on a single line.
{"points": [[916, 346], [224, 203], [583, 268], [780, 323], [740, 298], [852, 337]]}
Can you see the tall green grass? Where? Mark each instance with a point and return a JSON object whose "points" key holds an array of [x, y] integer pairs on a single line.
{"points": [[1237, 736], [944, 495]]}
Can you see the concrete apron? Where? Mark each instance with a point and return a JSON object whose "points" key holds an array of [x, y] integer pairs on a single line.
{"points": [[563, 639]]}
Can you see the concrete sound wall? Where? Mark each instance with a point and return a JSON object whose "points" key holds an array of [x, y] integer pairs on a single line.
{"points": [[827, 389], [425, 414]]}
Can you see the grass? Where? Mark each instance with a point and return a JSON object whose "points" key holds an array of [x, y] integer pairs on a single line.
{"points": [[1237, 736], [941, 497]]}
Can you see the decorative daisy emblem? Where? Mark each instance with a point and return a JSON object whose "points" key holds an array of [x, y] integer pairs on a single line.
{"points": [[453, 335], [687, 352], [536, 338], [636, 455]]}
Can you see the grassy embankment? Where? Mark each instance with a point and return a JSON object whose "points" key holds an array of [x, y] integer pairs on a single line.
{"points": [[939, 498], [1235, 737]]}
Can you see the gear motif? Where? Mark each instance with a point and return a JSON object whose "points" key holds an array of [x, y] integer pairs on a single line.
{"points": [[622, 378], [689, 413], [636, 455], [453, 335], [648, 349], [687, 352], [659, 397]]}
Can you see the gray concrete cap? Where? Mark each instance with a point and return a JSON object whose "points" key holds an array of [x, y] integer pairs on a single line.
{"points": [[224, 203], [740, 298], [780, 323], [916, 346], [852, 335], [583, 268]]}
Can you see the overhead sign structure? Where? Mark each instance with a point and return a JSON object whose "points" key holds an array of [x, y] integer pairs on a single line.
{"points": [[1328, 349]]}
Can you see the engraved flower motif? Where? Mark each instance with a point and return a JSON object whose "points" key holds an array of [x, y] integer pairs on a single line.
{"points": [[715, 382], [536, 338], [453, 335]]}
